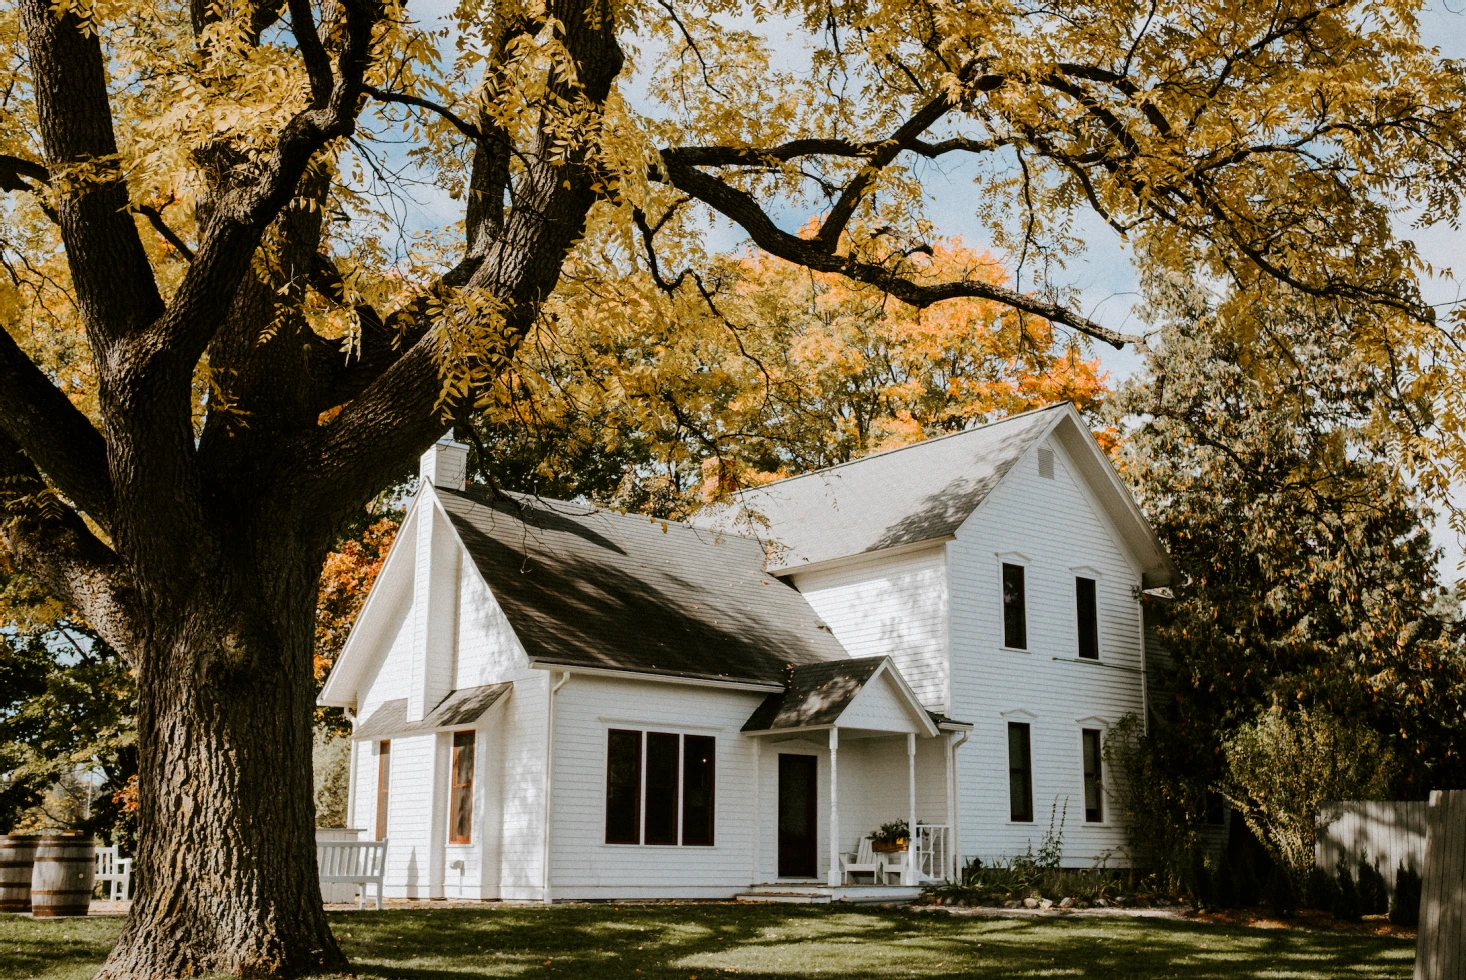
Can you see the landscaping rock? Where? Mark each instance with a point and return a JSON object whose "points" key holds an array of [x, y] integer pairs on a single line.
{"points": [[1046, 904], [1102, 903], [1012, 903], [1030, 903], [1067, 902]]}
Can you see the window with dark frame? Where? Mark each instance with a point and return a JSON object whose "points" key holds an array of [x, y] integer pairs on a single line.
{"points": [[1015, 615], [460, 807], [1087, 605], [660, 788], [698, 778], [623, 787], [1020, 773], [384, 783], [1094, 786]]}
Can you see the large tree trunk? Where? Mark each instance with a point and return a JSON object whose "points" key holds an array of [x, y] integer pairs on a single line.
{"points": [[226, 856]]}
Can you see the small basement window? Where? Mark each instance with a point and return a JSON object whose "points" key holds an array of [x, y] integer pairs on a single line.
{"points": [[1015, 612]]}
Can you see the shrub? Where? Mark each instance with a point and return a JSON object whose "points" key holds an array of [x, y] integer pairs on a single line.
{"points": [[1281, 896], [331, 763], [1374, 894], [1346, 899], [1323, 890], [1405, 906], [1284, 764], [1162, 800]]}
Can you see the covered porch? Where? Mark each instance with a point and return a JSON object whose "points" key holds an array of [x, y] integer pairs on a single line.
{"points": [[844, 750]]}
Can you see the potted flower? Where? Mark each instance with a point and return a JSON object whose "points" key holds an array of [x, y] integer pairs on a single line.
{"points": [[891, 837]]}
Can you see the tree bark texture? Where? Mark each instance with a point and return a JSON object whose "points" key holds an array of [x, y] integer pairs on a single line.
{"points": [[226, 857]]}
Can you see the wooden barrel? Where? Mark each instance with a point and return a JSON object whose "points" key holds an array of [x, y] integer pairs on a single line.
{"points": [[66, 869], [17, 856]]}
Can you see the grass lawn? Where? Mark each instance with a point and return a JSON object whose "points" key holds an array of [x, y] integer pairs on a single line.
{"points": [[706, 941]]}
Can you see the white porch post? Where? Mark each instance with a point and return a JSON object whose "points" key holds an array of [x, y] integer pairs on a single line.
{"points": [[910, 876], [948, 751], [834, 811], [758, 750]]}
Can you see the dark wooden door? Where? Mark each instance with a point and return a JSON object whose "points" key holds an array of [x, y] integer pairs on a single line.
{"points": [[798, 850]]}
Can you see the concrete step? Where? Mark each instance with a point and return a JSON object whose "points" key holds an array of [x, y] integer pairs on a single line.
{"points": [[801, 897]]}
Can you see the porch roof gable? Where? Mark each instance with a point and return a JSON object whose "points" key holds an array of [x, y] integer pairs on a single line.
{"points": [[823, 695]]}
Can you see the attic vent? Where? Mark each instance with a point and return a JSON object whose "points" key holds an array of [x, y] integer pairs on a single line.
{"points": [[1046, 463]]}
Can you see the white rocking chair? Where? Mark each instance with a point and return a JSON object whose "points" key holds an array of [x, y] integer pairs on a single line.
{"points": [[862, 861], [894, 863]]}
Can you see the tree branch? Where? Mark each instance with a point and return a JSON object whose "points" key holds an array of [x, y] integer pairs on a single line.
{"points": [[49, 540], [155, 218], [53, 433], [115, 288], [403, 98], [740, 207]]}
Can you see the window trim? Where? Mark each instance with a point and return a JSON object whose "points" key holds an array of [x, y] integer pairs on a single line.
{"points": [[453, 785], [1021, 561], [682, 734]]}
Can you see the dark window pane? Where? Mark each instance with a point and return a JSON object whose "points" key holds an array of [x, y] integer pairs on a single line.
{"points": [[1015, 617], [460, 809], [623, 787], [1094, 797], [661, 788], [1216, 808], [1020, 773], [697, 789], [1088, 618], [384, 782]]}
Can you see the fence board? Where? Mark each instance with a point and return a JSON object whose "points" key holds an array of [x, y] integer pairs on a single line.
{"points": [[1386, 834], [1440, 943]]}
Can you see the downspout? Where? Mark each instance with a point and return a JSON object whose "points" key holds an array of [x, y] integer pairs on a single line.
{"points": [[549, 782], [1144, 683], [956, 815]]}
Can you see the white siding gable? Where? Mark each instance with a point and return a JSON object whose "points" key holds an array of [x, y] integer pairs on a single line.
{"points": [[889, 605], [881, 706], [489, 650], [1060, 531]]}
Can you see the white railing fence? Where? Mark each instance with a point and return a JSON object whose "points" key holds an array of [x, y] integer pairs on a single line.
{"points": [[932, 857]]}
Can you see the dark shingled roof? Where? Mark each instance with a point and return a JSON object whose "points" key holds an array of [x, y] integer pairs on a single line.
{"points": [[816, 694], [921, 492], [587, 587], [459, 708]]}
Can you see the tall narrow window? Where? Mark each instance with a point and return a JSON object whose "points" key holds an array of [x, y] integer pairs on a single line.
{"points": [[661, 787], [1094, 786], [697, 789], [460, 809], [623, 787], [1020, 773], [1085, 603], [384, 782], [1015, 615]]}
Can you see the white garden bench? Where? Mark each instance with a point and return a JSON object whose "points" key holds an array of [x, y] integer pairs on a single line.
{"points": [[353, 862], [116, 871]]}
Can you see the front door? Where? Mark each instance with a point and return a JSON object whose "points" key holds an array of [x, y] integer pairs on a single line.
{"points": [[798, 851]]}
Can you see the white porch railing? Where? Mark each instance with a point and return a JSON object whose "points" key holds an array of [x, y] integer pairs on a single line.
{"points": [[932, 854]]}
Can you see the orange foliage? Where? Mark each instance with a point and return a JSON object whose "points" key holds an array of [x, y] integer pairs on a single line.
{"points": [[347, 577]]}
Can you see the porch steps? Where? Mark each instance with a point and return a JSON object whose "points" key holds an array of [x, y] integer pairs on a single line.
{"points": [[824, 894]]}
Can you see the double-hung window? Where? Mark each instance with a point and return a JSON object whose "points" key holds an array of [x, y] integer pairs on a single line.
{"points": [[660, 788], [1086, 605], [460, 806], [1015, 612], [1020, 773]]}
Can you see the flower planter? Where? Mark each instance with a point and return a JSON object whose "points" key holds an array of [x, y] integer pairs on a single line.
{"points": [[881, 848]]}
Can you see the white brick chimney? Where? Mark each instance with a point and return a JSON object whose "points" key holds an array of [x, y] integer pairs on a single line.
{"points": [[445, 465]]}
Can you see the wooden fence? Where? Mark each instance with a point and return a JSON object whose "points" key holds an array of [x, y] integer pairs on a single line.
{"points": [[1385, 834], [1440, 943]]}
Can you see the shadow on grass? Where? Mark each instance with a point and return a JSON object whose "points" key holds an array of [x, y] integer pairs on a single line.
{"points": [[763, 942], [54, 949]]}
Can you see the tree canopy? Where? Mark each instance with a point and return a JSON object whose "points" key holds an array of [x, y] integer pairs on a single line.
{"points": [[224, 333]]}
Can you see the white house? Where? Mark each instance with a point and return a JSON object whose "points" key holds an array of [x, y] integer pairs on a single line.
{"points": [[556, 701]]}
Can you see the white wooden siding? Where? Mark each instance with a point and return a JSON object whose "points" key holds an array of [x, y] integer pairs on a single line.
{"points": [[410, 818], [889, 606], [524, 730], [1059, 527], [880, 706], [488, 649], [393, 672]]}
